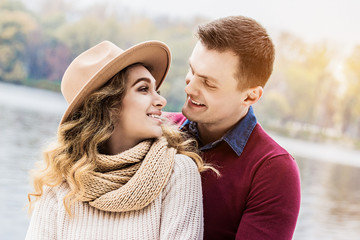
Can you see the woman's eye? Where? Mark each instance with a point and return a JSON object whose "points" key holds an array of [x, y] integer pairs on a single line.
{"points": [[144, 89]]}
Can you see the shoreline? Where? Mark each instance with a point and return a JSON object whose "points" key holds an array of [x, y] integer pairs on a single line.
{"points": [[319, 151], [26, 98]]}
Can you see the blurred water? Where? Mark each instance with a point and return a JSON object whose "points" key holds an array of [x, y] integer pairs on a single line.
{"points": [[28, 119], [330, 207]]}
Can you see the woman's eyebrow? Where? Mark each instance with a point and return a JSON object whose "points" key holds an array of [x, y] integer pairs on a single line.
{"points": [[142, 79]]}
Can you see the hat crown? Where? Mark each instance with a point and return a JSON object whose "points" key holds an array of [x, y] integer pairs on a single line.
{"points": [[85, 66]]}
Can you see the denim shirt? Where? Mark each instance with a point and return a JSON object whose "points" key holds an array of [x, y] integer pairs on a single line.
{"points": [[236, 137]]}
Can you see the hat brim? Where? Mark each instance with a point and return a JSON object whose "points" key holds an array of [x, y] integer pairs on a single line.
{"points": [[153, 54]]}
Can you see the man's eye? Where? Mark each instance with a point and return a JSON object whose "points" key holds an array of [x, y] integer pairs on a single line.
{"points": [[208, 84]]}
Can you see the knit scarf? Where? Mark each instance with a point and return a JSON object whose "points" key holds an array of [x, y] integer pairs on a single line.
{"points": [[130, 180]]}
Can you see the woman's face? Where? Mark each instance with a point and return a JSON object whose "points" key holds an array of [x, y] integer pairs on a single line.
{"points": [[140, 109]]}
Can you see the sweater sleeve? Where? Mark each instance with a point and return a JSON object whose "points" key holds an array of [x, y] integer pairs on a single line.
{"points": [[43, 219], [182, 207], [273, 202]]}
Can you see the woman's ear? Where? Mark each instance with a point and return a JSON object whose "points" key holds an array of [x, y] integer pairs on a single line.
{"points": [[253, 95]]}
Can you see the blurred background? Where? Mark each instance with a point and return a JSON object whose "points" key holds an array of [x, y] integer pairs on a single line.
{"points": [[311, 104]]}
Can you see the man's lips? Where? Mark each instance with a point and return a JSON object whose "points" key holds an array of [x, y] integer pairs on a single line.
{"points": [[196, 103]]}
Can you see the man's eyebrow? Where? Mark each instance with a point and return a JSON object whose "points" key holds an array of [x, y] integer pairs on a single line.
{"points": [[202, 76], [213, 80]]}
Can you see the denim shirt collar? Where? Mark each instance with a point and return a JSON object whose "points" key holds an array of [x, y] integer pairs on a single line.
{"points": [[236, 137]]}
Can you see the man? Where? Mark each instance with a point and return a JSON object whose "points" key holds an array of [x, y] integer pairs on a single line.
{"points": [[257, 195]]}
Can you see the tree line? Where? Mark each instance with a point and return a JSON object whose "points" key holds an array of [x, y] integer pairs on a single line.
{"points": [[305, 96]]}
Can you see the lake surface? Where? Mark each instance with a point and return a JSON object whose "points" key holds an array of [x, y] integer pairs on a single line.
{"points": [[330, 175]]}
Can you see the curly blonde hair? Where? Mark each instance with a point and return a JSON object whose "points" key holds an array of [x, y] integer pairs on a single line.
{"points": [[80, 139]]}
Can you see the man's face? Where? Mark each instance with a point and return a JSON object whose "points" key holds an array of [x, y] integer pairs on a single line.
{"points": [[214, 99]]}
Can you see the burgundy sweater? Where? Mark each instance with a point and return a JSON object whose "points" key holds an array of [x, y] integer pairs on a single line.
{"points": [[258, 194]]}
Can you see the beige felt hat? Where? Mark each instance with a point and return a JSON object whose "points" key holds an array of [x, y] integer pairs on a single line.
{"points": [[94, 67]]}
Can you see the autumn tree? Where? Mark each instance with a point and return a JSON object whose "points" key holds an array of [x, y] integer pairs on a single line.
{"points": [[302, 87], [351, 97], [16, 25]]}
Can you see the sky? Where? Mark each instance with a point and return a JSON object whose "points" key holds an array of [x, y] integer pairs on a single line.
{"points": [[335, 21]]}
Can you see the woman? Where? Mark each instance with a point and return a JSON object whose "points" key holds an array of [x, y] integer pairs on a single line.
{"points": [[117, 172]]}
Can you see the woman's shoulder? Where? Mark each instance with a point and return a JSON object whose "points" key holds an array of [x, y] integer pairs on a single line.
{"points": [[185, 169], [184, 163], [184, 178], [57, 192]]}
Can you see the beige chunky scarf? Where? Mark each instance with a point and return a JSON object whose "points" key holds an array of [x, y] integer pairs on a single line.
{"points": [[130, 180]]}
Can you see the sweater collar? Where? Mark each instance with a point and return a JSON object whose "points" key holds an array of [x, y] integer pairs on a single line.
{"points": [[236, 137]]}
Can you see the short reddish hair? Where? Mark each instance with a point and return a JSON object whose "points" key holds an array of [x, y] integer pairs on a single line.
{"points": [[248, 40]]}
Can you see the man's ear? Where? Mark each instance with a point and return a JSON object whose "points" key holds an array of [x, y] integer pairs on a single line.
{"points": [[253, 95]]}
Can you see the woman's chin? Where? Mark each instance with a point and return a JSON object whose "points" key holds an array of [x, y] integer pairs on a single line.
{"points": [[154, 134]]}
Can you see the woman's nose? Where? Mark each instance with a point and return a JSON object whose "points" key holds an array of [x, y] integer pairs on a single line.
{"points": [[160, 101]]}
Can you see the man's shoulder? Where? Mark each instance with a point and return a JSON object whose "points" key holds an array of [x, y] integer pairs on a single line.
{"points": [[260, 136]]}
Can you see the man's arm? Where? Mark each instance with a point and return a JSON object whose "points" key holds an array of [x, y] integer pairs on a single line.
{"points": [[274, 201]]}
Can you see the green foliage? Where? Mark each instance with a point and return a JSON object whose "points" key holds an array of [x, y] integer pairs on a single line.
{"points": [[12, 5], [275, 106], [41, 45], [304, 91], [15, 27], [86, 33]]}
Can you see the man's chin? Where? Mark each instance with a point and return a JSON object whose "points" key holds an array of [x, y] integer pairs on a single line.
{"points": [[186, 112]]}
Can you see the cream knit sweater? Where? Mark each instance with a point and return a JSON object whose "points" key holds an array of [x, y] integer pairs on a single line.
{"points": [[177, 213]]}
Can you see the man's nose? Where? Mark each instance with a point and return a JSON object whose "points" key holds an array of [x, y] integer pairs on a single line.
{"points": [[190, 87]]}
